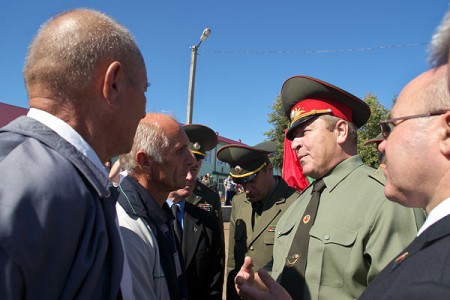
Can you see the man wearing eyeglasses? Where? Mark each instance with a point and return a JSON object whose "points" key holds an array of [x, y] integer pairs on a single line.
{"points": [[255, 212], [336, 247], [417, 149]]}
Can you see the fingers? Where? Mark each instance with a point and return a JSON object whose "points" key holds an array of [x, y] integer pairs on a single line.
{"points": [[248, 265], [273, 287]]}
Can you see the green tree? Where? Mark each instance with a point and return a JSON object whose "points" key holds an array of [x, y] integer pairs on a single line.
{"points": [[370, 130], [280, 122]]}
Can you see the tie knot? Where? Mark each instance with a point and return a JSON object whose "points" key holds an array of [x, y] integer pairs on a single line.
{"points": [[318, 186]]}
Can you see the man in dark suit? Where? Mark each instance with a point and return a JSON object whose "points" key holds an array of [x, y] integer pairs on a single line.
{"points": [[417, 149], [203, 196], [200, 236], [255, 212]]}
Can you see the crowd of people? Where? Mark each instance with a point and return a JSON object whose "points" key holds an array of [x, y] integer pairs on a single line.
{"points": [[150, 229]]}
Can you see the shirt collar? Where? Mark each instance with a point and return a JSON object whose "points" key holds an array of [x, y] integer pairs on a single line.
{"points": [[181, 204], [437, 213], [68, 133]]}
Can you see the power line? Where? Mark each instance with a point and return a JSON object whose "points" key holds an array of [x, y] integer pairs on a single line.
{"points": [[301, 52]]}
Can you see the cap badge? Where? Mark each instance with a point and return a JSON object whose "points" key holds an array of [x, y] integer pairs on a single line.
{"points": [[297, 112], [196, 146], [238, 169]]}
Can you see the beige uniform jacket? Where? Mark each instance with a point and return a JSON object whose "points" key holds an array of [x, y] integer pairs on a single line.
{"points": [[356, 233]]}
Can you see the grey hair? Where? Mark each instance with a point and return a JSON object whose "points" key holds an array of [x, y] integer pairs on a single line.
{"points": [[330, 122], [69, 48], [440, 43], [151, 139]]}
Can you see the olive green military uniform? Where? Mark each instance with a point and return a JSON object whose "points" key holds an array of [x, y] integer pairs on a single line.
{"points": [[256, 242], [357, 231]]}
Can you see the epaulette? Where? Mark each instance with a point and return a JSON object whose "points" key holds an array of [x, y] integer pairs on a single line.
{"points": [[378, 175]]}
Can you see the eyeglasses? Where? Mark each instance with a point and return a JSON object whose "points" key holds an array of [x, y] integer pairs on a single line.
{"points": [[246, 179], [388, 125]]}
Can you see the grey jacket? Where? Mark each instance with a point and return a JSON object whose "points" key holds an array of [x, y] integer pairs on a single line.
{"points": [[58, 236]]}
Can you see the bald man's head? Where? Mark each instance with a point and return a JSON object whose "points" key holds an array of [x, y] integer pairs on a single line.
{"points": [[71, 49]]}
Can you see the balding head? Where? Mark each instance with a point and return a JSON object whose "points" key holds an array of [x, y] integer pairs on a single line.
{"points": [[153, 137], [160, 157], [86, 69], [427, 92], [71, 49], [417, 149]]}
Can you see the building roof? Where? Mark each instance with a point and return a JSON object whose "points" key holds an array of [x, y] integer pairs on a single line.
{"points": [[10, 112], [227, 140]]}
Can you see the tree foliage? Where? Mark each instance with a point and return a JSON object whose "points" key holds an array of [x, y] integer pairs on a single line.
{"points": [[371, 129], [280, 122]]}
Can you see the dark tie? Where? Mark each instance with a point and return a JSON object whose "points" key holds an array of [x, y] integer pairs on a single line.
{"points": [[293, 276], [176, 224]]}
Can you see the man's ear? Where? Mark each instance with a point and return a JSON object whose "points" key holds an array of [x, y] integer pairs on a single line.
{"points": [[445, 135], [112, 83], [341, 129], [143, 162]]}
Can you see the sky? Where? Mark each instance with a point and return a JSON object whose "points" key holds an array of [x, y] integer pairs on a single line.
{"points": [[255, 45]]}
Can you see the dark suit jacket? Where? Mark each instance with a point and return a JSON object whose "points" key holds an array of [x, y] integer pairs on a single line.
{"points": [[58, 236], [422, 273], [203, 254], [205, 196]]}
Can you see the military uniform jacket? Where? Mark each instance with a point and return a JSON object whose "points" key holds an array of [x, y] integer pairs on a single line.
{"points": [[356, 233], [257, 242], [203, 254], [421, 271], [58, 236]]}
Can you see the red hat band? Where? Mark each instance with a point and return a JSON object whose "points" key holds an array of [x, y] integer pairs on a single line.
{"points": [[308, 107]]}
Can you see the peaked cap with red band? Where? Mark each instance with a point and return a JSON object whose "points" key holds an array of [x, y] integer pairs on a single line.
{"points": [[304, 97]]}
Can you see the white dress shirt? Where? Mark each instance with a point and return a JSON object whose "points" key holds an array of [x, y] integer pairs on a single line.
{"points": [[437, 213]]}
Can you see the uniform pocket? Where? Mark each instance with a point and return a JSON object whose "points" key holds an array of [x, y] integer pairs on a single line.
{"points": [[330, 247], [269, 237]]}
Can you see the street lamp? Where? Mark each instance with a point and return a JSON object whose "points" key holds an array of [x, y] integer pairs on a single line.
{"points": [[194, 49]]}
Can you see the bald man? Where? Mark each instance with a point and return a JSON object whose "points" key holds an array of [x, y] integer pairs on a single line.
{"points": [[86, 80]]}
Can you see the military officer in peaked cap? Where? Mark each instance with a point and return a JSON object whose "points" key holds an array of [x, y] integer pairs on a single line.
{"points": [[203, 139], [342, 230], [255, 212], [199, 230]]}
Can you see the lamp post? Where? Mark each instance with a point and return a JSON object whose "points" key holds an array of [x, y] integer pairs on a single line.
{"points": [[194, 49]]}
